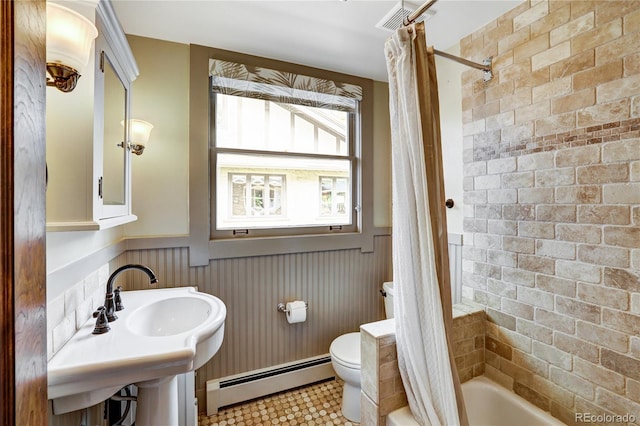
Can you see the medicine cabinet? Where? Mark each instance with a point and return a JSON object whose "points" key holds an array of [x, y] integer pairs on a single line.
{"points": [[88, 156]]}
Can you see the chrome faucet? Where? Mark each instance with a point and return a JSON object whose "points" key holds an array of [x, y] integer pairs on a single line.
{"points": [[109, 303]]}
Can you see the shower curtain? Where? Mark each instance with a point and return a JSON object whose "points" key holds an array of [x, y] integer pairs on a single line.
{"points": [[423, 311]]}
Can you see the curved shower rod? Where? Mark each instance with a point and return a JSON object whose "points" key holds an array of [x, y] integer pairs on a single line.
{"points": [[486, 66]]}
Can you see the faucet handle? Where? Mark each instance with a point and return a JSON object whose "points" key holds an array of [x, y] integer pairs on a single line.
{"points": [[102, 324], [118, 299]]}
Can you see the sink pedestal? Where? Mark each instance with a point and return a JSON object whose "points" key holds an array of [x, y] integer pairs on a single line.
{"points": [[157, 402]]}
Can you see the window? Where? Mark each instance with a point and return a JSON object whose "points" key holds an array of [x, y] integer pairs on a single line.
{"points": [[334, 193], [216, 72], [255, 195], [284, 158]]}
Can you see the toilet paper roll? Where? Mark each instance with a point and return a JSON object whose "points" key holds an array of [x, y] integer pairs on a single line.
{"points": [[296, 312]]}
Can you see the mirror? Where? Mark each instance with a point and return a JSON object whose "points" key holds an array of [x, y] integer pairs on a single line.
{"points": [[115, 137]]}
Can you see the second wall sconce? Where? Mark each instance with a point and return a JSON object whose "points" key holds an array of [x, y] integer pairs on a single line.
{"points": [[69, 39], [139, 132]]}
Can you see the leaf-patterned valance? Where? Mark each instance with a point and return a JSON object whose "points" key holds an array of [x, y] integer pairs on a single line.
{"points": [[232, 78]]}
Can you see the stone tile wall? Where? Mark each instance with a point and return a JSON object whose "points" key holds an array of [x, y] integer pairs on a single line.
{"points": [[552, 203], [468, 340], [382, 389]]}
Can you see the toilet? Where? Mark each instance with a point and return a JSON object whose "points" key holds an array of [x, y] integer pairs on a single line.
{"points": [[345, 359]]}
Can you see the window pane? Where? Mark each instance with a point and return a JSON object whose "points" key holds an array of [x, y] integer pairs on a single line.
{"points": [[334, 196], [275, 195], [303, 140], [281, 191], [257, 196], [326, 185], [238, 194], [280, 136], [251, 111], [341, 196], [328, 143], [261, 125]]}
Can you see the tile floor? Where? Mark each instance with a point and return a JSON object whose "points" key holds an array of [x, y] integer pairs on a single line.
{"points": [[317, 404]]}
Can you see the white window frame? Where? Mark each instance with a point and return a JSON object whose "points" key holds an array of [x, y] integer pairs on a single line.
{"points": [[242, 231]]}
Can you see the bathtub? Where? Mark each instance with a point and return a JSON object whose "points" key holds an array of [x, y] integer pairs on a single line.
{"points": [[488, 404]]}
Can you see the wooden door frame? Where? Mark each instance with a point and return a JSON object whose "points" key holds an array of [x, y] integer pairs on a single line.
{"points": [[6, 205], [23, 364]]}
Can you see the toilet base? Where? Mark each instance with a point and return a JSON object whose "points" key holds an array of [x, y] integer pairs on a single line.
{"points": [[351, 402]]}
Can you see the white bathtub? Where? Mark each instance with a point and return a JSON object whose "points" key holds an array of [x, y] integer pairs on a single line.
{"points": [[488, 404]]}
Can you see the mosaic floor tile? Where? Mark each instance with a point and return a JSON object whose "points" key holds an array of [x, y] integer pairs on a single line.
{"points": [[317, 404]]}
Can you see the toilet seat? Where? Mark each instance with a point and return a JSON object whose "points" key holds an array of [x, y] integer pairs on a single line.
{"points": [[345, 349]]}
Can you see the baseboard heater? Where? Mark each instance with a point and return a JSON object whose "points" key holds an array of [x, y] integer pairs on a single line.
{"points": [[254, 384]]}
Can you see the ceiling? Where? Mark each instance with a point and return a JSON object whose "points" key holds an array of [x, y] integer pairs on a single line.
{"points": [[330, 34]]}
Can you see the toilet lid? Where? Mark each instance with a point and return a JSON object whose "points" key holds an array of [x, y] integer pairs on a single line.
{"points": [[346, 349]]}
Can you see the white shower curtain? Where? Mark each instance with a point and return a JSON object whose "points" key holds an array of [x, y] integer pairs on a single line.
{"points": [[422, 299]]}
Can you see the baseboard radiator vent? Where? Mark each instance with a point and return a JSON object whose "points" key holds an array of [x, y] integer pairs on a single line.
{"points": [[254, 384]]}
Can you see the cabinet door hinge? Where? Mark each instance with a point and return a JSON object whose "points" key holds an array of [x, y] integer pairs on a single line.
{"points": [[102, 61], [100, 187]]}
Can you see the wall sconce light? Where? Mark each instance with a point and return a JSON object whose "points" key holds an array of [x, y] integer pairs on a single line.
{"points": [[69, 39], [139, 131]]}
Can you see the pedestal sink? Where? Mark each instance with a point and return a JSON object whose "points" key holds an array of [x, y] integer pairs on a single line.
{"points": [[159, 334]]}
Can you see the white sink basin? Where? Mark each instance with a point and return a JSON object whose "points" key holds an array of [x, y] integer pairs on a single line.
{"points": [[167, 317], [159, 334]]}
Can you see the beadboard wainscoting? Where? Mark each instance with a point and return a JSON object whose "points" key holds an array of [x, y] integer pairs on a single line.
{"points": [[341, 288]]}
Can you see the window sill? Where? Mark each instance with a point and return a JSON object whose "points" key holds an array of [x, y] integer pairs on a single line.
{"points": [[264, 246]]}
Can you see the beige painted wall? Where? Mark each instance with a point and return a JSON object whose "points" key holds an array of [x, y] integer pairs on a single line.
{"points": [[69, 132], [381, 155], [160, 176], [70, 151]]}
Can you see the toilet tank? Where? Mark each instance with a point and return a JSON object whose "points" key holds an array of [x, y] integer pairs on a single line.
{"points": [[387, 287]]}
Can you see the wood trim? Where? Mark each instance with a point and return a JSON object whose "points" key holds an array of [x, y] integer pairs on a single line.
{"points": [[202, 248], [341, 287], [152, 243], [267, 246], [7, 323], [198, 156], [23, 389]]}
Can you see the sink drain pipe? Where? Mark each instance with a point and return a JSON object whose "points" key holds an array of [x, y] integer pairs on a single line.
{"points": [[128, 398]]}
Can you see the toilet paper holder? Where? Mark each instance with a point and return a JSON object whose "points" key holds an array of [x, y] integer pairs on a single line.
{"points": [[282, 307]]}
